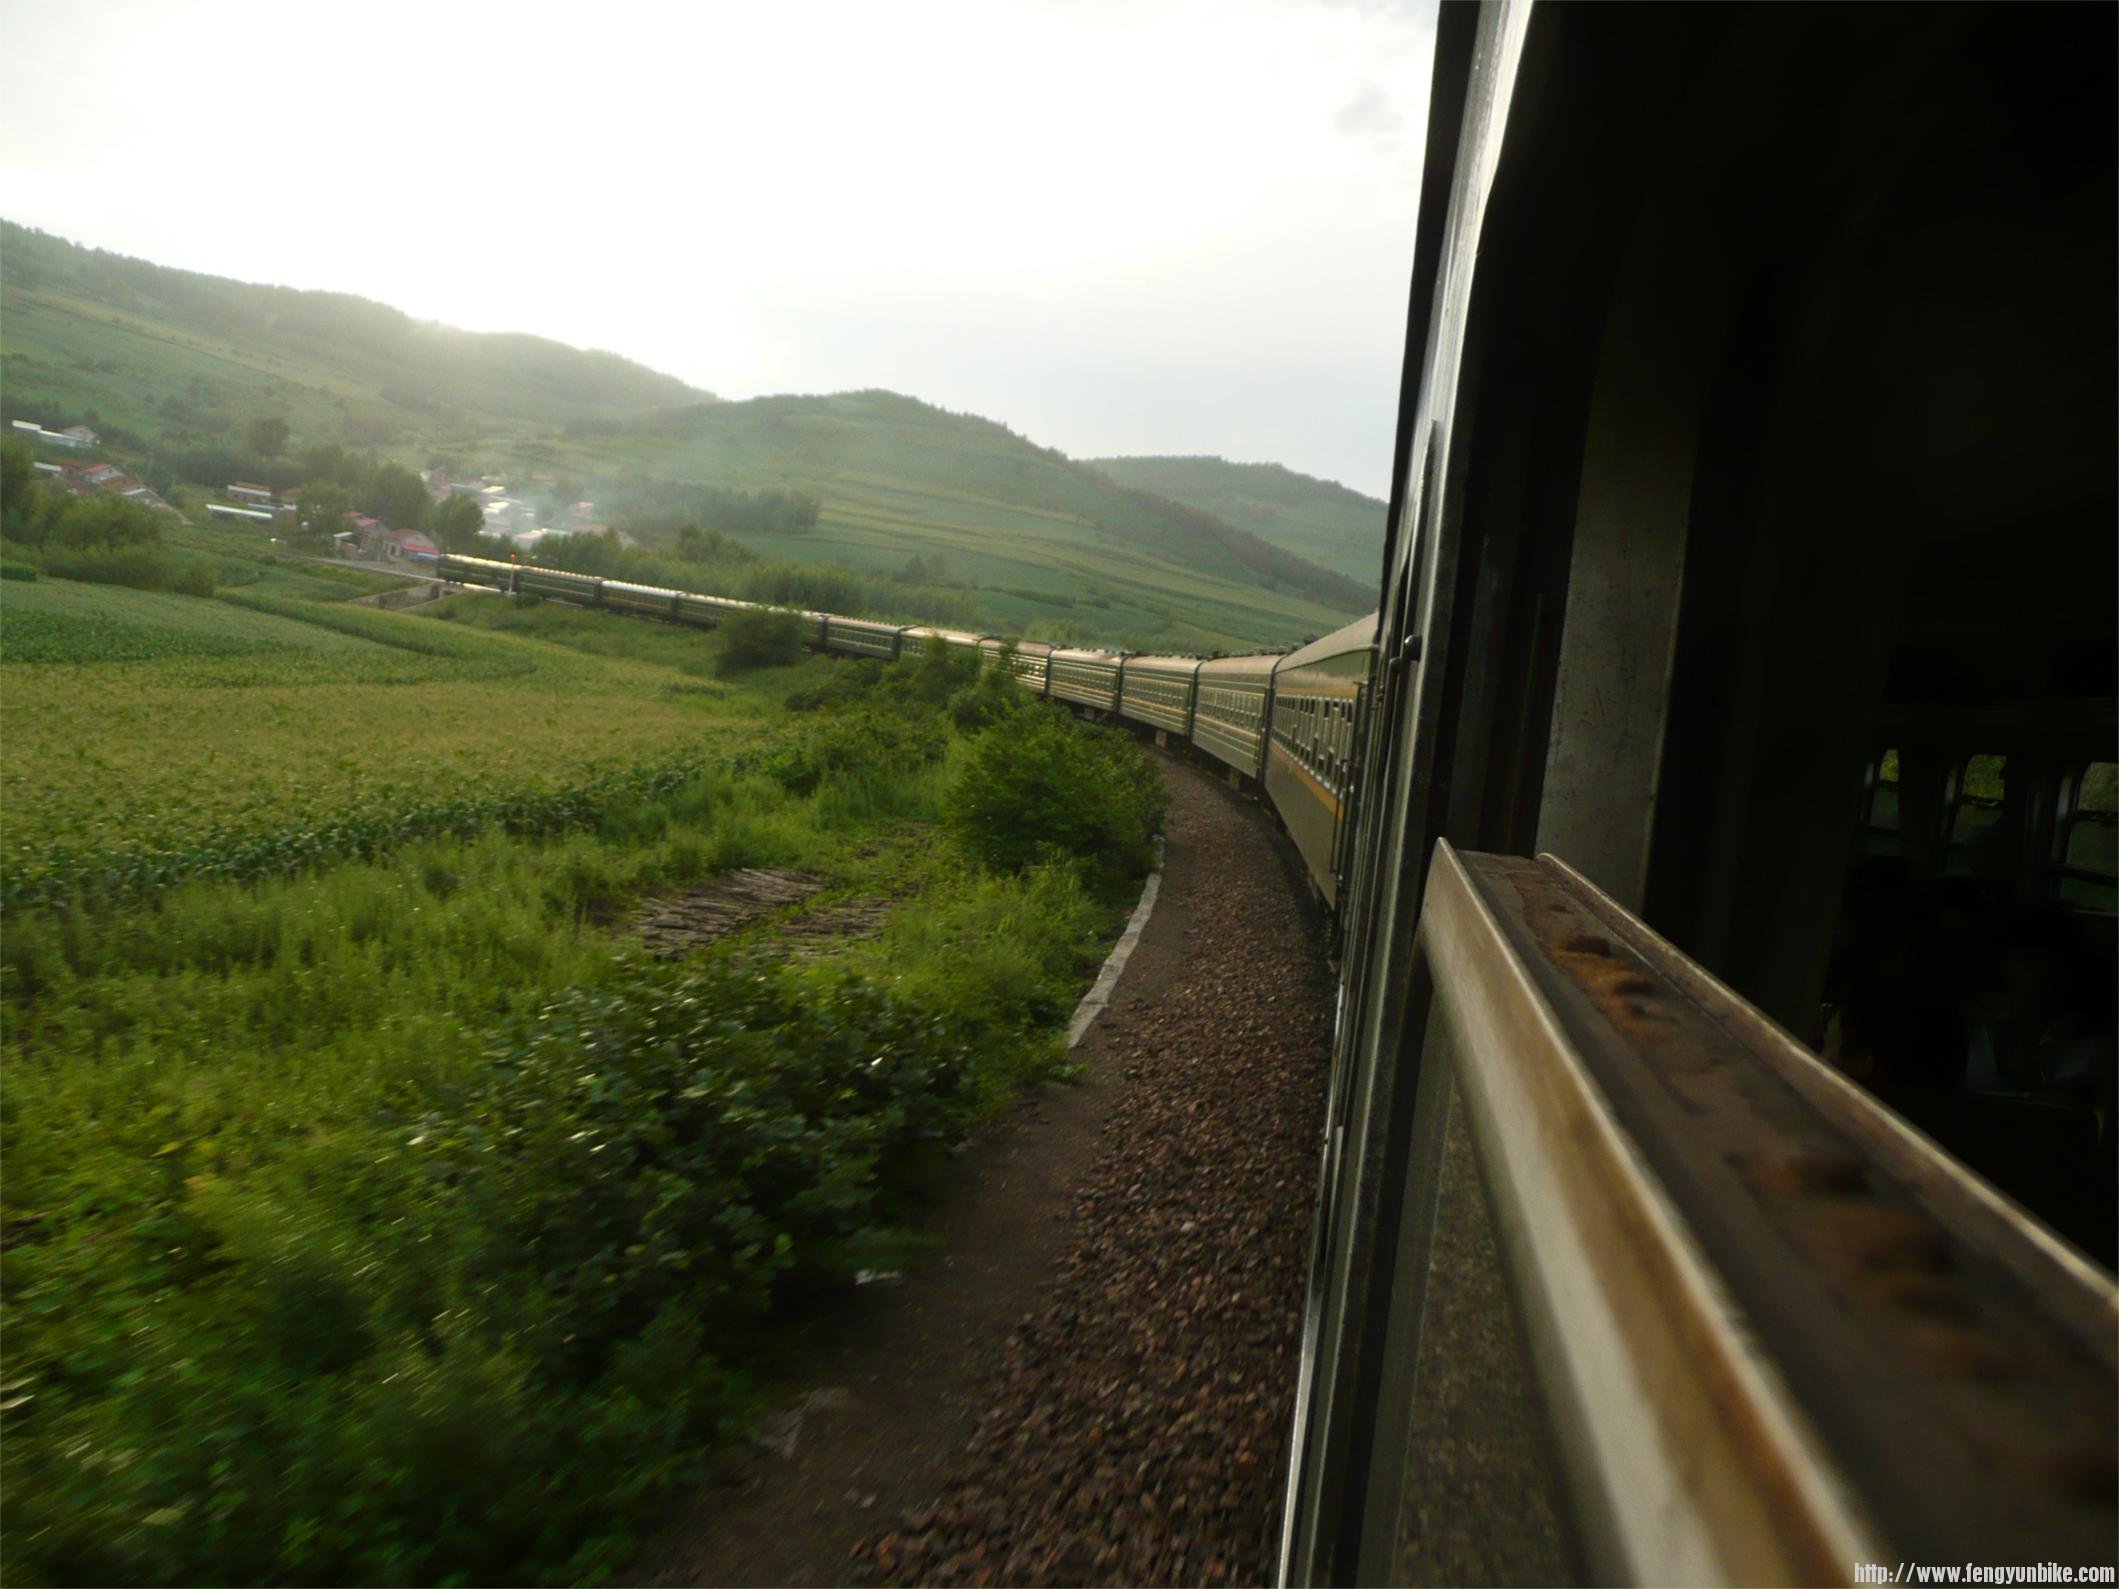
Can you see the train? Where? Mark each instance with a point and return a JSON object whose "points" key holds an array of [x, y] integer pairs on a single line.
{"points": [[1286, 724], [1719, 815]]}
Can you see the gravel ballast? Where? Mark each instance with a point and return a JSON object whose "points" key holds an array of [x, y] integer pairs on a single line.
{"points": [[1136, 1428]]}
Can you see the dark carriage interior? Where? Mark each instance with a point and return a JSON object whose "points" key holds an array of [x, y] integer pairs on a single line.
{"points": [[1829, 320]]}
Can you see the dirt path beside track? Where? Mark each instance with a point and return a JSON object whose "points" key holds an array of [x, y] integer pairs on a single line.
{"points": [[1094, 1383]]}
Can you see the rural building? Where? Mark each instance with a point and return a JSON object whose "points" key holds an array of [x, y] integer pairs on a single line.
{"points": [[229, 511], [74, 437], [255, 493], [410, 546]]}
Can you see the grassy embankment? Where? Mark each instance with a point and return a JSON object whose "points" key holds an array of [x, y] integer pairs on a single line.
{"points": [[375, 1210]]}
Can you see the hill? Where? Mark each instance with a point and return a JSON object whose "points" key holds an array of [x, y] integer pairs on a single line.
{"points": [[178, 358], [170, 366], [1318, 520], [1051, 545]]}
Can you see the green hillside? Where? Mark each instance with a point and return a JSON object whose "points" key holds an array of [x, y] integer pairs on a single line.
{"points": [[171, 366], [1051, 546], [1318, 520], [178, 358]]}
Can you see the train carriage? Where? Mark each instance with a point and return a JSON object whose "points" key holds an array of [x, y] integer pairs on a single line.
{"points": [[557, 583], [862, 637], [1087, 678], [1157, 691], [1318, 696], [476, 571], [914, 642], [650, 600], [1027, 660], [708, 611], [1229, 712]]}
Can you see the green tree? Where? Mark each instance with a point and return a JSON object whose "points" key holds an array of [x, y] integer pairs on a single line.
{"points": [[397, 496], [324, 511], [17, 470], [457, 523], [267, 435]]}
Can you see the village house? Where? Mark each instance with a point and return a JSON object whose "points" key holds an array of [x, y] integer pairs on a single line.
{"points": [[249, 492], [74, 437], [410, 546]]}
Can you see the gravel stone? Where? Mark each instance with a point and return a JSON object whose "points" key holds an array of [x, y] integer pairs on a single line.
{"points": [[1136, 1429]]}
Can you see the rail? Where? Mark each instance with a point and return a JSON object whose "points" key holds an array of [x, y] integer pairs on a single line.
{"points": [[1777, 1332]]}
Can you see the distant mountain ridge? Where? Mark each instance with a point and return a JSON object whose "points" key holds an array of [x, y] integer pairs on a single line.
{"points": [[219, 342], [1320, 521], [173, 366], [844, 443]]}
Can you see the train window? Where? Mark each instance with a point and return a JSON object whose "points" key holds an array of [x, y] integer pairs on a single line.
{"points": [[1975, 810], [1881, 832], [2088, 841]]}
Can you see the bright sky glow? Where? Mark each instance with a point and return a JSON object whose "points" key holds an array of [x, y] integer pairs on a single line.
{"points": [[1167, 226]]}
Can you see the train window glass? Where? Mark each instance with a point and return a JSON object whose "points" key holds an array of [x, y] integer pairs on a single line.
{"points": [[2089, 840], [1881, 833], [1975, 810]]}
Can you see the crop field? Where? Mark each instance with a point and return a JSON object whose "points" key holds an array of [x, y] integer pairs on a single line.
{"points": [[141, 722], [392, 1216]]}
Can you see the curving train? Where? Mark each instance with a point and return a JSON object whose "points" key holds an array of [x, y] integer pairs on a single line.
{"points": [[1288, 722]]}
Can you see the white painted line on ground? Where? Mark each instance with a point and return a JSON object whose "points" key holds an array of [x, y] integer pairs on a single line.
{"points": [[1099, 995]]}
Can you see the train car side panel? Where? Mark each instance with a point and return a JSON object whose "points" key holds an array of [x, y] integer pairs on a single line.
{"points": [[1229, 714], [1157, 691], [1319, 694], [1087, 678]]}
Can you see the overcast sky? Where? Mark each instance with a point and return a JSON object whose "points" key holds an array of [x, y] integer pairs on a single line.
{"points": [[1119, 226]]}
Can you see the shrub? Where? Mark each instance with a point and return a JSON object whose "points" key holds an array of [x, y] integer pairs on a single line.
{"points": [[978, 705], [14, 570], [139, 567], [459, 1344], [865, 741], [763, 638], [1040, 786]]}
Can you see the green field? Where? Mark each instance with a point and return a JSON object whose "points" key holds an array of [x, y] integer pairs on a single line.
{"points": [[143, 722], [383, 1214]]}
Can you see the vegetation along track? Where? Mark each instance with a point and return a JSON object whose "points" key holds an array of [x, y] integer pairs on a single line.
{"points": [[1134, 1431]]}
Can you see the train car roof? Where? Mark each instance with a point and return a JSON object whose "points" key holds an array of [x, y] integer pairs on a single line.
{"points": [[1356, 636], [1113, 657], [1168, 663], [1259, 666]]}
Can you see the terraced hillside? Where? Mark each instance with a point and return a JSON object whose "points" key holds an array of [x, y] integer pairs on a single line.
{"points": [[1054, 548], [1319, 520]]}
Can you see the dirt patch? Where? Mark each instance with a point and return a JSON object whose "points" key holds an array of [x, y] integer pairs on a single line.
{"points": [[672, 927], [820, 931]]}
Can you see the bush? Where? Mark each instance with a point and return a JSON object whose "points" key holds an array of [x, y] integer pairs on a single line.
{"points": [[1040, 786], [458, 1344], [866, 741], [764, 638], [138, 567], [14, 570], [980, 704]]}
